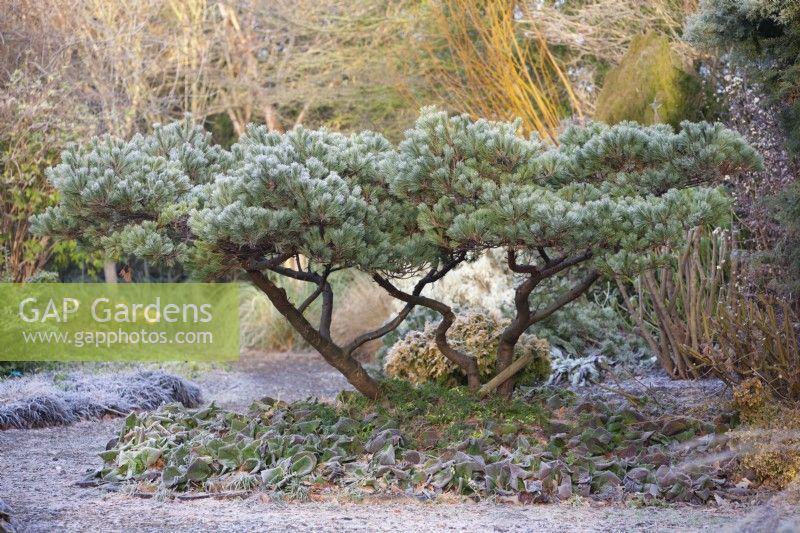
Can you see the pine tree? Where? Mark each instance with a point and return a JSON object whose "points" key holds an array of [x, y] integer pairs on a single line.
{"points": [[306, 204], [602, 200], [763, 36]]}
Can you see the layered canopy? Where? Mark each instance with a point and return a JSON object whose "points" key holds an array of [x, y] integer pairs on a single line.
{"points": [[604, 197], [618, 190], [452, 185]]}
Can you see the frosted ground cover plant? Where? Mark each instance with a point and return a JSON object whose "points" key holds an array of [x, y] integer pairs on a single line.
{"points": [[417, 359], [586, 338], [433, 441]]}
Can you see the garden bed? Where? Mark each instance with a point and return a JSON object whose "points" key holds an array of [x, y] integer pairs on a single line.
{"points": [[424, 442], [40, 469]]}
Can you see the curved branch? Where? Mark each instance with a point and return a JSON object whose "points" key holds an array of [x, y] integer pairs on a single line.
{"points": [[433, 275], [572, 294], [564, 262], [311, 297], [468, 363], [387, 327], [523, 318], [320, 288], [329, 350], [265, 264], [294, 274], [511, 259], [543, 254]]}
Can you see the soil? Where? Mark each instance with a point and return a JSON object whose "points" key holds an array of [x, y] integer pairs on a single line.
{"points": [[39, 468]]}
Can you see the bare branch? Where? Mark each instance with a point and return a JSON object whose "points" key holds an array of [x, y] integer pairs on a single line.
{"points": [[381, 331], [310, 299], [465, 361], [543, 254], [265, 264], [511, 259], [433, 275], [291, 273], [564, 262], [572, 294]]}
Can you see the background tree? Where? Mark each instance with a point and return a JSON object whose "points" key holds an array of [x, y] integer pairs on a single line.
{"points": [[76, 68], [764, 36]]}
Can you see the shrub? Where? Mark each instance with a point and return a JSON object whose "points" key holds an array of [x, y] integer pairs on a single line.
{"points": [[416, 321], [591, 324], [768, 437], [578, 371], [35, 124], [650, 85], [775, 462], [671, 305], [787, 251], [585, 338], [417, 359], [755, 339]]}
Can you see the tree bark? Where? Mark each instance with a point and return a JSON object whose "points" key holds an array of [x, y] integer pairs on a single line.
{"points": [[271, 118], [332, 353], [510, 336], [524, 317]]}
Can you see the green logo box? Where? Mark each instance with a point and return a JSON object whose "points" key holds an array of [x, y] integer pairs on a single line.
{"points": [[119, 322]]}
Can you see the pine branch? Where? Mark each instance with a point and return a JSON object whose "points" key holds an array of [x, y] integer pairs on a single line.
{"points": [[576, 291]]}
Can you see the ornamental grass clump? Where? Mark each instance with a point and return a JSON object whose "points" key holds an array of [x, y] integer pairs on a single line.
{"points": [[307, 204]]}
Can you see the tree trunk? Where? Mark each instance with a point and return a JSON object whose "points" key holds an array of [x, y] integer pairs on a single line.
{"points": [[512, 333], [505, 352], [271, 118], [332, 353], [524, 316], [110, 271], [505, 357]]}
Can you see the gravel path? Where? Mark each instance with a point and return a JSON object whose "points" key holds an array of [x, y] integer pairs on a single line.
{"points": [[38, 469], [283, 376]]}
